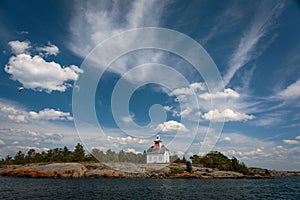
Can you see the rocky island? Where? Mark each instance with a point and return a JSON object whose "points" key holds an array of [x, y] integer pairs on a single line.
{"points": [[130, 170], [63, 163]]}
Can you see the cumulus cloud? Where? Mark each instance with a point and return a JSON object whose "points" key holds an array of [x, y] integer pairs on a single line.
{"points": [[17, 118], [192, 89], [291, 141], [37, 74], [171, 126], [50, 114], [25, 148], [51, 49], [8, 109], [228, 93], [127, 140], [227, 115], [18, 47], [21, 115], [298, 137], [256, 151]]}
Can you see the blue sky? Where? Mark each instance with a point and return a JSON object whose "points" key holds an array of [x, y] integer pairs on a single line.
{"points": [[50, 48]]}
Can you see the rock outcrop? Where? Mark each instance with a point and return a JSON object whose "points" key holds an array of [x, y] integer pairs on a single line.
{"points": [[55, 170], [130, 170]]}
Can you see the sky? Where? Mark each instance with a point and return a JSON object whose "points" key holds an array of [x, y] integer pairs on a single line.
{"points": [[204, 75]]}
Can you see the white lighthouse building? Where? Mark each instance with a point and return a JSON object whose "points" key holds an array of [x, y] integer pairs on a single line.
{"points": [[158, 153]]}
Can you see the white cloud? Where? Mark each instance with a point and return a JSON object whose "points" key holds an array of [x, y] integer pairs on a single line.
{"points": [[171, 126], [261, 24], [291, 92], [51, 49], [192, 89], [20, 135], [128, 119], [21, 115], [127, 140], [2, 142], [50, 114], [25, 148], [9, 109], [37, 74], [18, 47], [227, 138], [291, 141], [298, 137], [132, 150], [186, 111], [167, 108], [198, 86], [17, 118], [226, 115], [95, 21], [228, 93]]}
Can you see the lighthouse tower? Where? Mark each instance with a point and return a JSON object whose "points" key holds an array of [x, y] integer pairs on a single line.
{"points": [[157, 143], [158, 153]]}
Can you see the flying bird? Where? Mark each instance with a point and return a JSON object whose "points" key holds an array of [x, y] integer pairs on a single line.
{"points": [[20, 89]]}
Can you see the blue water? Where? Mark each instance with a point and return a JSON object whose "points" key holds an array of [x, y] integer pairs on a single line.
{"points": [[26, 188]]}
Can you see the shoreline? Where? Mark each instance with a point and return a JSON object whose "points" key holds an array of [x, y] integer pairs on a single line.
{"points": [[132, 170]]}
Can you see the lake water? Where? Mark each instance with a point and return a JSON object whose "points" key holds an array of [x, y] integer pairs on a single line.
{"points": [[26, 188]]}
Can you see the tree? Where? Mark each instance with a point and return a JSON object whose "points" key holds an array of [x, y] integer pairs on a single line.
{"points": [[122, 156], [19, 158], [30, 155], [8, 160], [78, 154], [99, 155], [66, 155], [189, 167], [215, 159]]}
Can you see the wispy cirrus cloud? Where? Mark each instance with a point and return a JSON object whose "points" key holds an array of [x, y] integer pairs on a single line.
{"points": [[290, 92], [95, 21], [48, 50], [248, 48]]}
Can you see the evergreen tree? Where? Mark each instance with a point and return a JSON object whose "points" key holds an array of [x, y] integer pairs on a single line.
{"points": [[189, 167], [78, 154], [19, 158], [30, 156]]}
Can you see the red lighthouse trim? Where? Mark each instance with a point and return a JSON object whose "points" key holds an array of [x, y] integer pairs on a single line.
{"points": [[157, 143]]}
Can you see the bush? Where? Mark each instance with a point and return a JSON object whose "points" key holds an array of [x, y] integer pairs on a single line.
{"points": [[176, 171]]}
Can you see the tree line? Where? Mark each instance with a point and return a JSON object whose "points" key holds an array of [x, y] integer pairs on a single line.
{"points": [[52, 155], [77, 155], [217, 160], [213, 159]]}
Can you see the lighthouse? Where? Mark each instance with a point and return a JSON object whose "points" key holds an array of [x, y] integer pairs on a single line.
{"points": [[158, 153], [157, 143]]}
